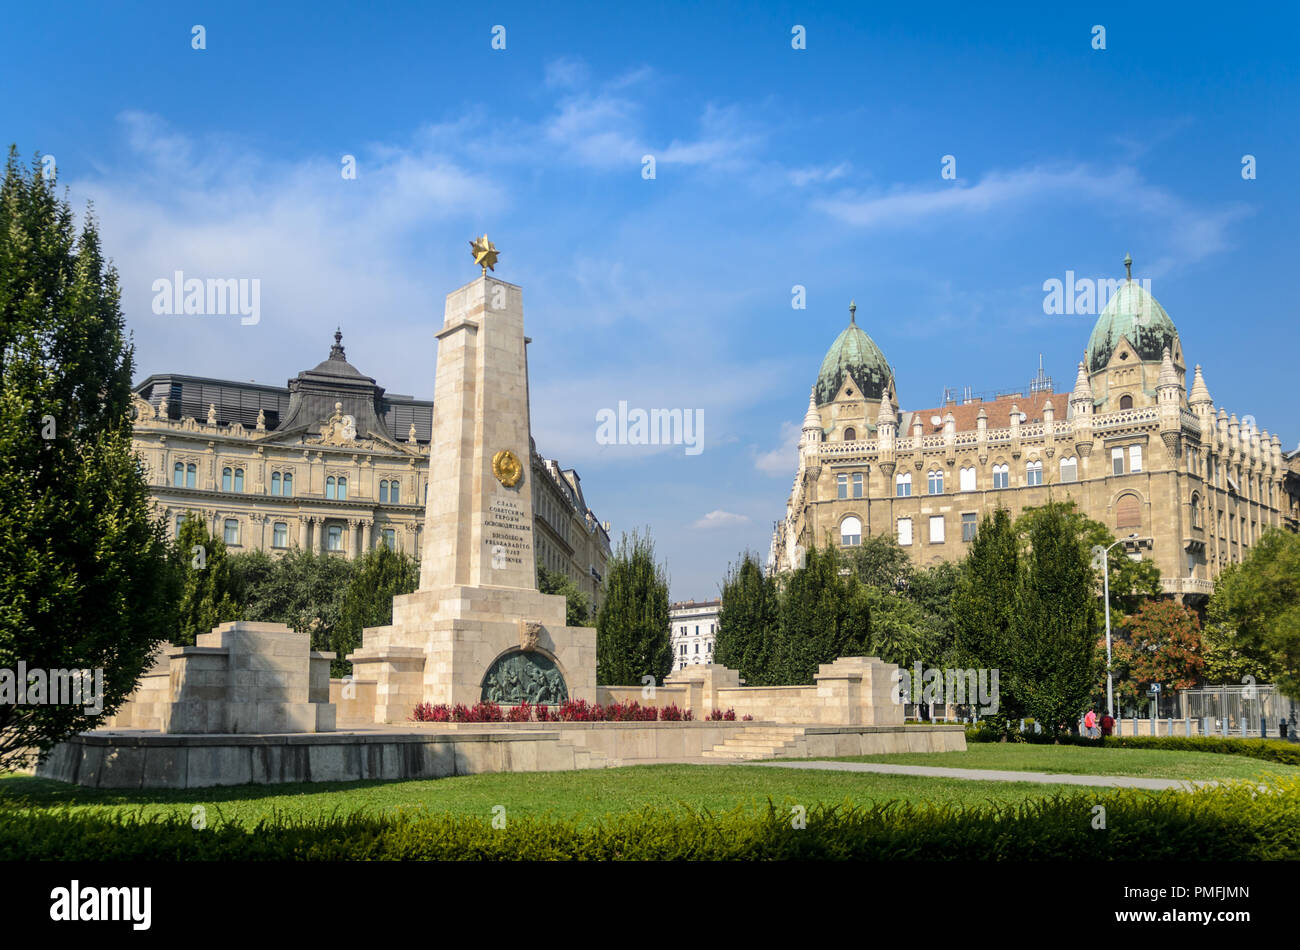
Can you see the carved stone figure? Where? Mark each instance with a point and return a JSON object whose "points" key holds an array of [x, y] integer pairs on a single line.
{"points": [[520, 677]]}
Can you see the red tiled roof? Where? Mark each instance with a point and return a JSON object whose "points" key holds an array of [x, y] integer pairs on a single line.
{"points": [[999, 412]]}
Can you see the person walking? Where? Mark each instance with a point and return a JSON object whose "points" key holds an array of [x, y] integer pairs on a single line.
{"points": [[1107, 725], [1090, 723]]}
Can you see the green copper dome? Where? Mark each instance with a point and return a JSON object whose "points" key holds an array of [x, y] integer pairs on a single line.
{"points": [[856, 355], [1132, 313]]}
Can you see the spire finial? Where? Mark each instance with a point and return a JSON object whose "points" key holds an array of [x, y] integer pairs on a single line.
{"points": [[1128, 266], [336, 351], [853, 312]]}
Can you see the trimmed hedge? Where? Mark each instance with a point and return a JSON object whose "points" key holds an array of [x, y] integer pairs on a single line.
{"points": [[1230, 822], [1269, 750]]}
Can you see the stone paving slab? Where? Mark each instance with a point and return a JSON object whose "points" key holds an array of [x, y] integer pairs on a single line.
{"points": [[992, 775]]}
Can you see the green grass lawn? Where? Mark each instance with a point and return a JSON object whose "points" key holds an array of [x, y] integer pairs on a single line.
{"points": [[586, 795], [1084, 760]]}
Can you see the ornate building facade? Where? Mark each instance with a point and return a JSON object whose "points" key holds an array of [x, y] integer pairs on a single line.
{"points": [[694, 629], [330, 463], [1181, 481]]}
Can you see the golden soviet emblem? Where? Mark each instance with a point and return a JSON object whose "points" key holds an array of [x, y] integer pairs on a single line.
{"points": [[507, 468]]}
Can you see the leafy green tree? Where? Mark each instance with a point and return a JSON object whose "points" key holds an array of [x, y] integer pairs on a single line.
{"points": [[377, 578], [932, 590], [1132, 582], [206, 581], [304, 591], [1052, 649], [881, 562], [577, 604], [747, 621], [902, 631], [1164, 641], [1227, 661], [1256, 606], [984, 604], [823, 616], [83, 570], [632, 628]]}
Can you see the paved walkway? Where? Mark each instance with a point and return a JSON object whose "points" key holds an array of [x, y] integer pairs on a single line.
{"points": [[989, 775]]}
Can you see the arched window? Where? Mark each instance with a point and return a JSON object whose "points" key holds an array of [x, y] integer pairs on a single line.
{"points": [[1126, 402], [225, 479], [967, 476], [231, 531], [288, 483], [383, 493], [190, 473], [395, 492], [275, 483], [903, 485], [343, 487], [1128, 512], [331, 490], [334, 537], [280, 535], [1033, 473], [935, 480], [850, 531], [1069, 469], [1196, 510], [1001, 476], [850, 434], [239, 479], [857, 484], [178, 476]]}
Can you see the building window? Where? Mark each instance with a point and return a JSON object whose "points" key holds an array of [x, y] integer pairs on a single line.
{"points": [[683, 649], [857, 484], [936, 529], [225, 479], [1001, 476], [190, 473], [850, 531], [968, 479], [1135, 458], [1126, 402], [280, 535], [390, 539], [395, 492], [1069, 469], [903, 485], [969, 525], [275, 483], [935, 480], [697, 647], [334, 537], [841, 486], [1128, 512], [904, 531], [239, 479], [1033, 473], [383, 493], [1117, 461], [850, 434], [232, 531], [178, 476], [331, 487], [180, 520], [343, 487], [288, 484]]}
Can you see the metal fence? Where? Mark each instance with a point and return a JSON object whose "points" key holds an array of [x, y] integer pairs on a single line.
{"points": [[1237, 708]]}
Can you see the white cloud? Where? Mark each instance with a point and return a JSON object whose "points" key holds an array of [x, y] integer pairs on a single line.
{"points": [[721, 519], [784, 459]]}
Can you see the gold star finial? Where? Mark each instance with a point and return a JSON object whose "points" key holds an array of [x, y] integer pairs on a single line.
{"points": [[485, 254]]}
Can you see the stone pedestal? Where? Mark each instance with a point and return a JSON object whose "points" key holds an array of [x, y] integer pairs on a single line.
{"points": [[478, 605]]}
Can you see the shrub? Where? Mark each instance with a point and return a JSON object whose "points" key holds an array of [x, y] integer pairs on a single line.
{"points": [[543, 714], [747, 718], [730, 715], [521, 713], [670, 713], [426, 712], [1239, 821]]}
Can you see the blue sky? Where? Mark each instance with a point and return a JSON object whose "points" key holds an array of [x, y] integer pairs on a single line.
{"points": [[774, 167]]}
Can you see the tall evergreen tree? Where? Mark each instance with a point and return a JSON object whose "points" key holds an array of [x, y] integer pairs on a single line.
{"points": [[304, 591], [82, 561], [747, 622], [632, 629], [984, 603], [823, 616], [1053, 661], [207, 584]]}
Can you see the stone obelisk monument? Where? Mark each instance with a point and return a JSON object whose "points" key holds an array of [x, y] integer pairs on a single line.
{"points": [[478, 628]]}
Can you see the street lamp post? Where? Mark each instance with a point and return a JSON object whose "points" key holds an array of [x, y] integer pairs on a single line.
{"points": [[1104, 554]]}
